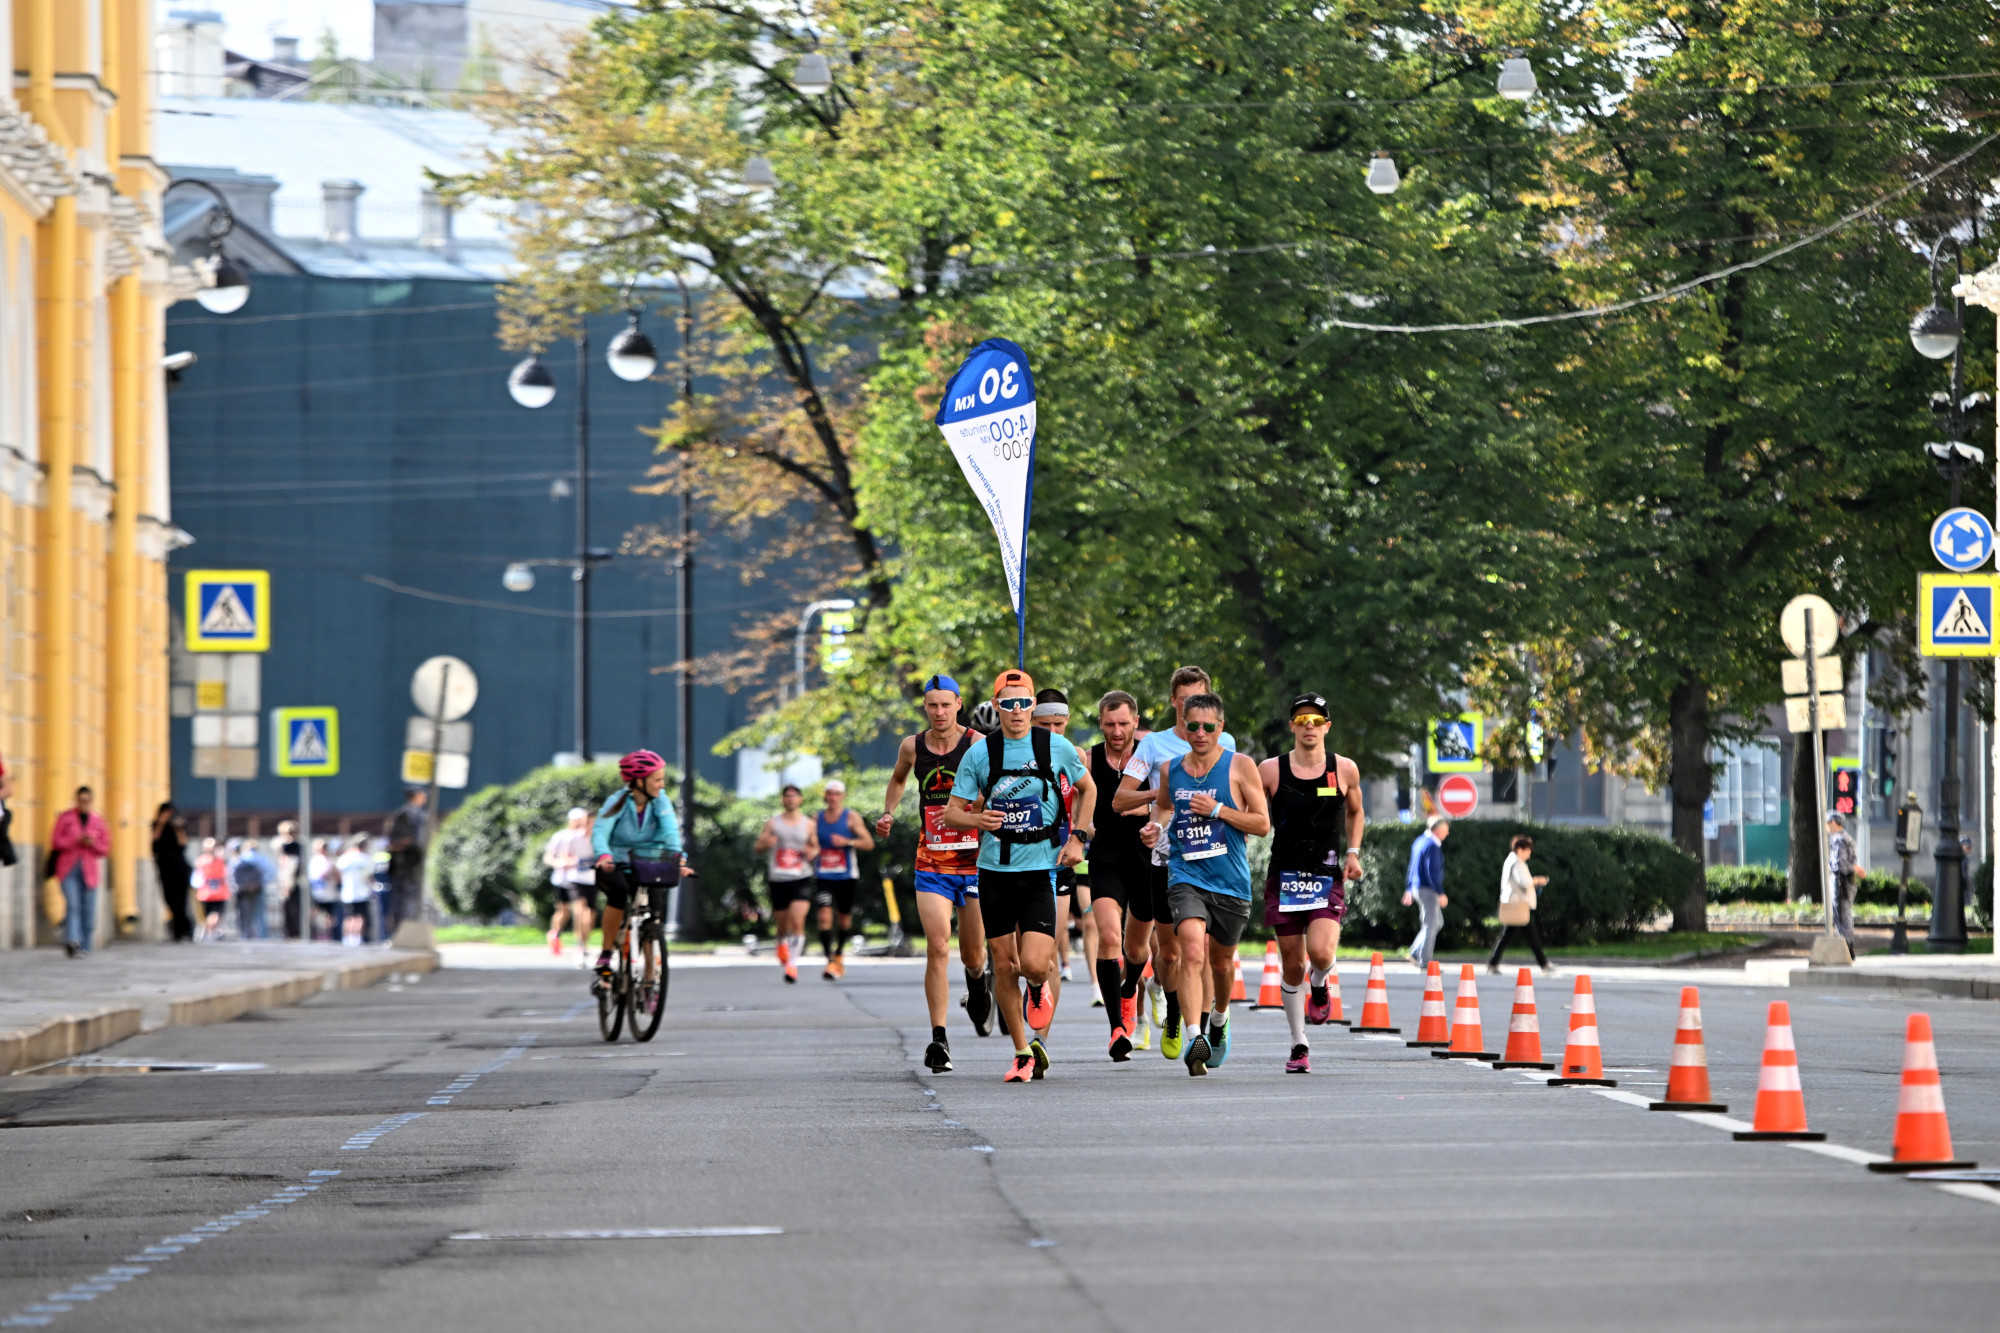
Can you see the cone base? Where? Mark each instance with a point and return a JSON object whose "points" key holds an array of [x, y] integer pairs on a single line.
{"points": [[1393, 1032], [1524, 1064], [1585, 1083], [1779, 1136], [1899, 1168], [1439, 1044], [1716, 1107], [1463, 1055]]}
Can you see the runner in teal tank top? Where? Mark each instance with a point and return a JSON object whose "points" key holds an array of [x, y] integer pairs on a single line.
{"points": [[1206, 804]]}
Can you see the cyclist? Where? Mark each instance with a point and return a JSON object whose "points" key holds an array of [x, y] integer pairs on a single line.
{"points": [[638, 844]]}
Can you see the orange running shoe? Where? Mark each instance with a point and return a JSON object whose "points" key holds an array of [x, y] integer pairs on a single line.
{"points": [[1128, 1013], [1040, 1008], [1022, 1070], [839, 966]]}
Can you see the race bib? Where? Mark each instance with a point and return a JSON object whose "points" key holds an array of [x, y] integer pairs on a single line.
{"points": [[1197, 838], [789, 860], [940, 838], [1300, 892], [833, 862], [1020, 814]]}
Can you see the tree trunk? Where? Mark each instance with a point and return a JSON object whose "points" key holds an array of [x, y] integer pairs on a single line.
{"points": [[1803, 879], [1692, 779]]}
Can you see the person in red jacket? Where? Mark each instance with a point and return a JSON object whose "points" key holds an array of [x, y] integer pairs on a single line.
{"points": [[81, 842]]}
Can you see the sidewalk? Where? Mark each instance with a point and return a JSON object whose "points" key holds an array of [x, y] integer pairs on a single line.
{"points": [[52, 1007], [1965, 976]]}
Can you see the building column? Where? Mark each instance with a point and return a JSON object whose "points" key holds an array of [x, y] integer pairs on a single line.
{"points": [[123, 810], [59, 237]]}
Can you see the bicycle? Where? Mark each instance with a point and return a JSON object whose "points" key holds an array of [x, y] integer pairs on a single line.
{"points": [[642, 1001]]}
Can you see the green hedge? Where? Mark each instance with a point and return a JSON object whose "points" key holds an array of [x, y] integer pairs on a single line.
{"points": [[489, 851], [1604, 883], [1766, 884]]}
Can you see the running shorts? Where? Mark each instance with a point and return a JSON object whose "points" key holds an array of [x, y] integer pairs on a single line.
{"points": [[1108, 879], [1147, 885], [956, 889], [1226, 916], [837, 894], [785, 892], [1011, 900], [577, 893], [1295, 923]]}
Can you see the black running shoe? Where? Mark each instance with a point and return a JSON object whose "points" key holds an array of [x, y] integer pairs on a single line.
{"points": [[979, 1008], [937, 1058]]}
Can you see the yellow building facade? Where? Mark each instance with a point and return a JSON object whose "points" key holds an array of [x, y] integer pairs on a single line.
{"points": [[84, 284]]}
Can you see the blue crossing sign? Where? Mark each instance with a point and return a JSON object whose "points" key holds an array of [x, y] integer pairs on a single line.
{"points": [[1961, 539], [1454, 743], [1955, 615], [228, 610], [305, 742]]}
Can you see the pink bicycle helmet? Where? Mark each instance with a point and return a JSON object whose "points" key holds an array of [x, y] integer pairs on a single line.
{"points": [[640, 764]]}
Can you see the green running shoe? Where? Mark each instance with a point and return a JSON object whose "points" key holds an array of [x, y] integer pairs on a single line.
{"points": [[1170, 1040]]}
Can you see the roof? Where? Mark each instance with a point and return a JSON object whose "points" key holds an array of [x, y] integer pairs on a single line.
{"points": [[387, 149]]}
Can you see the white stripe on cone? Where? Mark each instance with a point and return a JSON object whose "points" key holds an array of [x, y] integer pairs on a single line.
{"points": [[1780, 1078], [1525, 1023], [1920, 1099], [1691, 1055]]}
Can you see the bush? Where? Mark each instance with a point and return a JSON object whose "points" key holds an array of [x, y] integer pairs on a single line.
{"points": [[489, 851], [1766, 884], [1604, 883]]}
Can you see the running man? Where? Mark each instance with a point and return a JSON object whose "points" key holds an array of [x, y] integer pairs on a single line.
{"points": [[1315, 812], [1051, 714], [841, 833], [1208, 801], [569, 857], [1147, 909], [791, 844], [947, 865], [1009, 789], [1120, 866]]}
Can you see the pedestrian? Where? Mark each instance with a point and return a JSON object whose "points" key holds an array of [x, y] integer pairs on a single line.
{"points": [[357, 891], [7, 853], [325, 882], [80, 842], [1840, 859], [170, 859], [378, 903], [292, 880], [211, 877], [250, 874], [1424, 888], [572, 871], [1519, 898], [409, 836]]}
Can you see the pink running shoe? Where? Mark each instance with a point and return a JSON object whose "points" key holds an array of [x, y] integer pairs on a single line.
{"points": [[1128, 1012], [1022, 1070], [1301, 1061], [1319, 1005], [1040, 1009]]}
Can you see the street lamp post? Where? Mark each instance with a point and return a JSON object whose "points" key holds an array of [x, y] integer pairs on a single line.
{"points": [[1937, 332], [228, 288], [799, 647], [684, 571]]}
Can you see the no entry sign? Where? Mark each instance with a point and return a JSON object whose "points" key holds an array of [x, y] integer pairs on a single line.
{"points": [[1457, 796]]}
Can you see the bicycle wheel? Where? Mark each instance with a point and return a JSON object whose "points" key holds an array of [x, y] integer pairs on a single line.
{"points": [[611, 1002], [650, 1002]]}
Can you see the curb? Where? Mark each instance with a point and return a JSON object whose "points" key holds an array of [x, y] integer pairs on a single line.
{"points": [[67, 1035], [1963, 988]]}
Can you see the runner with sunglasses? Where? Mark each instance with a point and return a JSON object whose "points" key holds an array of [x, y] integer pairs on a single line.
{"points": [[1148, 910], [947, 864], [1207, 803], [1315, 812], [1009, 790]]}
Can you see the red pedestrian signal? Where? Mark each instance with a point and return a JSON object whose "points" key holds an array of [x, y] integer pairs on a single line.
{"points": [[1846, 795]]}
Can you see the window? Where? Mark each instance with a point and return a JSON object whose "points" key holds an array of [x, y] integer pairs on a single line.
{"points": [[1568, 790], [1746, 783]]}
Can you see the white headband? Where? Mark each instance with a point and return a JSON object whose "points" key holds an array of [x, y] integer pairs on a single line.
{"points": [[1051, 710]]}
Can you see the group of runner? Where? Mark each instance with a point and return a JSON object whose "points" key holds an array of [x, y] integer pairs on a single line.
{"points": [[1147, 834]]}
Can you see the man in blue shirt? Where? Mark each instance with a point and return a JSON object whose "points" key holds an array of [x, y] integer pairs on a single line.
{"points": [[1018, 812], [1425, 887]]}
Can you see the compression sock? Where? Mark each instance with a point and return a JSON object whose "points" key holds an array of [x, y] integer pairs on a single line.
{"points": [[1134, 974], [1107, 985], [1295, 1011], [1204, 1025], [1173, 1008], [826, 944], [1317, 975], [975, 982]]}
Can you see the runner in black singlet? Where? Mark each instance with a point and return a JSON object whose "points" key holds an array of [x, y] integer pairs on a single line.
{"points": [[1119, 865]]}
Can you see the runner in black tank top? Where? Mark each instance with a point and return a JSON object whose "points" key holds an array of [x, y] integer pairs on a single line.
{"points": [[1119, 866], [1316, 821], [947, 866]]}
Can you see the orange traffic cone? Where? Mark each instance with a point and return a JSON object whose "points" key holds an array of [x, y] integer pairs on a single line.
{"points": [[1524, 1029], [1433, 1023], [1583, 1061], [1466, 1034], [1375, 1002], [1781, 1100], [1268, 995], [1237, 992], [1687, 1079], [1334, 1014], [1923, 1139]]}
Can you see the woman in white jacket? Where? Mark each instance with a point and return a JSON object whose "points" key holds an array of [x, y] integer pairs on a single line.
{"points": [[1518, 899]]}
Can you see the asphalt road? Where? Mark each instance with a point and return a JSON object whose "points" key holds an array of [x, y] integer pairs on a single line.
{"points": [[1386, 1190]]}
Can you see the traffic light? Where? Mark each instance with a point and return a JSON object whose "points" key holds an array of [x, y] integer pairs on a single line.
{"points": [[1845, 798], [1886, 775]]}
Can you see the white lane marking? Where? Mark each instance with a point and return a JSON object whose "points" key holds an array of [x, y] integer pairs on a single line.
{"points": [[1715, 1120], [1964, 1191], [1841, 1152], [1629, 1098], [366, 1138], [443, 1096], [627, 1233], [58, 1303]]}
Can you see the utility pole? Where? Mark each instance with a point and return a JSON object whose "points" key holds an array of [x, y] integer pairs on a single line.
{"points": [[684, 567], [581, 574]]}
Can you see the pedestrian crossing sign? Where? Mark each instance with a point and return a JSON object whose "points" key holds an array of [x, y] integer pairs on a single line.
{"points": [[228, 610], [1454, 744], [305, 742], [1955, 615]]}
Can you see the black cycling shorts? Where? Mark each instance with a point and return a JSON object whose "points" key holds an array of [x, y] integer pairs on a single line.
{"points": [[615, 887], [1147, 888], [837, 894], [1011, 900], [785, 892]]}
